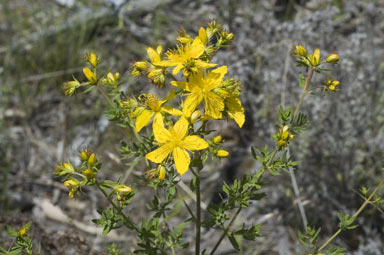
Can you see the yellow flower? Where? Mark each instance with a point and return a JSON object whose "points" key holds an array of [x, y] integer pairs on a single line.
{"points": [[91, 76], [200, 89], [186, 57], [156, 108], [175, 141]]}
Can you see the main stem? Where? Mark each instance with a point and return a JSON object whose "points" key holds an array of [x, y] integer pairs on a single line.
{"points": [[198, 214], [357, 213]]}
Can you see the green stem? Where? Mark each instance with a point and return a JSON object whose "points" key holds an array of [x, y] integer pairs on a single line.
{"points": [[117, 208], [307, 82], [225, 231], [171, 75], [198, 213], [102, 91], [357, 213]]}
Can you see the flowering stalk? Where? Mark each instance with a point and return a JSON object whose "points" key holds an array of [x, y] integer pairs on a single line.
{"points": [[357, 213], [307, 82]]}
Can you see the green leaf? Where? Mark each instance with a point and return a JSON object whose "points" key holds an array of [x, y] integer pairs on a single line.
{"points": [[12, 232], [233, 241]]}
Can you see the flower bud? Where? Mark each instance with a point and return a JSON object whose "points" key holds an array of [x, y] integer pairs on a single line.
{"points": [[161, 172], [124, 189], [300, 50], [222, 153], [72, 185], [89, 173], [92, 160], [84, 155], [140, 65], [93, 59], [217, 139], [70, 87], [315, 58], [333, 58], [195, 115], [111, 79], [91, 76], [22, 232]]}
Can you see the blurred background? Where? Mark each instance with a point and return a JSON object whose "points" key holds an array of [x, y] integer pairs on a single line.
{"points": [[42, 43]]}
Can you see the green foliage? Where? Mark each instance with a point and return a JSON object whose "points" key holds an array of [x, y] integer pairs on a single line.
{"points": [[109, 220], [346, 221], [309, 238], [22, 242], [336, 251]]}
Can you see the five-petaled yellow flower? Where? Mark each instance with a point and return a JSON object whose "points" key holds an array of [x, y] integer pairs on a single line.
{"points": [[186, 57], [176, 141], [156, 108], [200, 89]]}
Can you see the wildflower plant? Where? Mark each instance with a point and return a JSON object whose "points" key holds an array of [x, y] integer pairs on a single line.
{"points": [[177, 140]]}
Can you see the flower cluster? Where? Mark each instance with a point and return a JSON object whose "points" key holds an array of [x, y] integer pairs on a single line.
{"points": [[314, 61], [199, 84]]}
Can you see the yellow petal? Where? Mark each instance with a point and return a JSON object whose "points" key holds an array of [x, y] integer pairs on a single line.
{"points": [[153, 55], [191, 102], [166, 63], [177, 69], [203, 64], [194, 143], [203, 36], [171, 111], [181, 84], [215, 77], [159, 49], [214, 105], [158, 119], [143, 119], [196, 49], [162, 135], [181, 128], [235, 110], [182, 160], [158, 155]]}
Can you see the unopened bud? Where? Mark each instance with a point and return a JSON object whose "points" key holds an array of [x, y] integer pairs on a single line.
{"points": [[89, 173], [333, 58], [91, 76], [222, 153], [92, 160], [195, 115], [315, 58], [217, 139], [93, 60], [162, 173], [300, 50]]}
